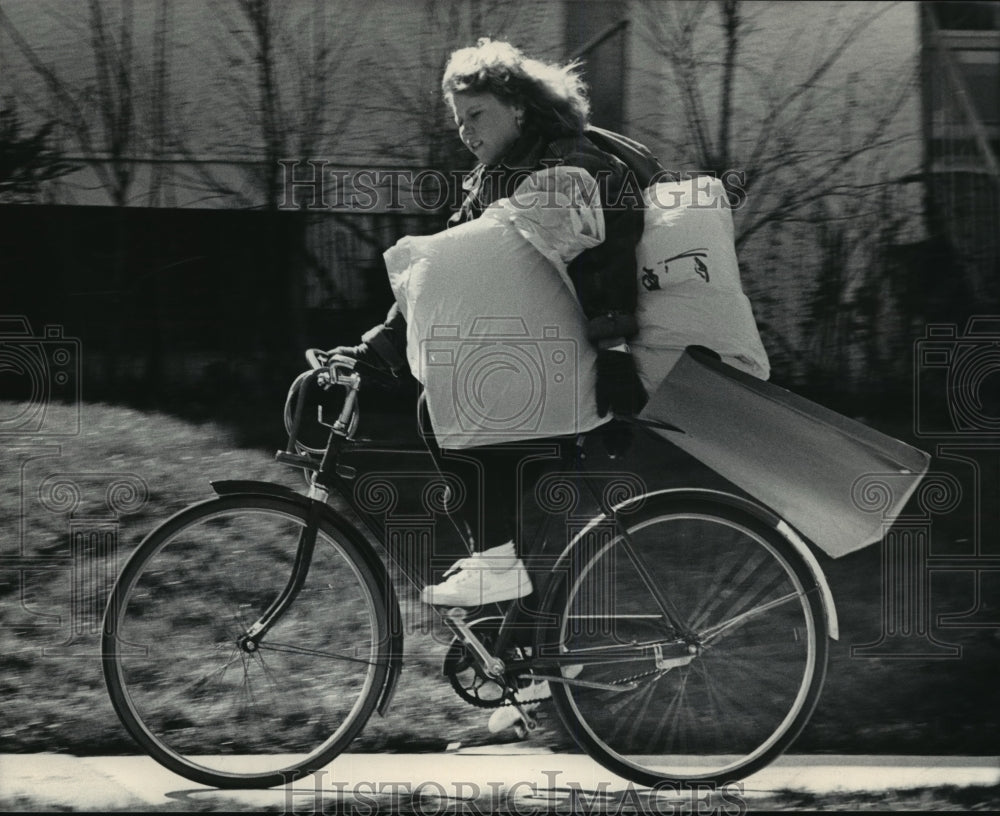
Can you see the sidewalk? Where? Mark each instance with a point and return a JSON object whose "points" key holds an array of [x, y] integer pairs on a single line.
{"points": [[478, 780]]}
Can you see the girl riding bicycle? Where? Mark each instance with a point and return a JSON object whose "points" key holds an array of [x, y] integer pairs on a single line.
{"points": [[519, 116], [682, 633]]}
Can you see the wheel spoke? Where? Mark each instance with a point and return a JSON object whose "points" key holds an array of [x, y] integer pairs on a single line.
{"points": [[194, 688], [645, 573], [206, 704], [712, 632], [289, 648], [735, 587], [718, 708]]}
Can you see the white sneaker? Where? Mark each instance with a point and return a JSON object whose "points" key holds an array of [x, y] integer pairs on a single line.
{"points": [[507, 715], [494, 575]]}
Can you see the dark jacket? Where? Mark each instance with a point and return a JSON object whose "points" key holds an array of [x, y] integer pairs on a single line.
{"points": [[605, 275]]}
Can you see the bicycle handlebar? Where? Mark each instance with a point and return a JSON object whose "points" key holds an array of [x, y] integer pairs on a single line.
{"points": [[338, 369], [325, 371]]}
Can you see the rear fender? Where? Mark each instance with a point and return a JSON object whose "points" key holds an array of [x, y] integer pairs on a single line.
{"points": [[762, 513]]}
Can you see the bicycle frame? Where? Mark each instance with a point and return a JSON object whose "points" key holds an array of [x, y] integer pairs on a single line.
{"points": [[329, 473], [600, 635]]}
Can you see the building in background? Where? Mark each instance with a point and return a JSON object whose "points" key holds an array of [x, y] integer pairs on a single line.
{"points": [[865, 132], [960, 89]]}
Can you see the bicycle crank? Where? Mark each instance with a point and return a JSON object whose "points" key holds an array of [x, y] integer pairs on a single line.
{"points": [[491, 665], [462, 668]]}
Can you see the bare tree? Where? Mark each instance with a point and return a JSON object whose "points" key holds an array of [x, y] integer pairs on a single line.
{"points": [[277, 99], [111, 115], [27, 160], [776, 113], [410, 79], [160, 138], [97, 114], [780, 125], [281, 64]]}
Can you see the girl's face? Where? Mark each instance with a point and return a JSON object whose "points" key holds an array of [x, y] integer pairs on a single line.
{"points": [[487, 125]]}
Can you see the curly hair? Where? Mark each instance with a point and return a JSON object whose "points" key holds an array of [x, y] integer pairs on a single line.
{"points": [[554, 96]]}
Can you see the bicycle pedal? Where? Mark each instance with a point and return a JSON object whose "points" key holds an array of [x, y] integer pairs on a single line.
{"points": [[536, 692], [529, 721], [503, 718]]}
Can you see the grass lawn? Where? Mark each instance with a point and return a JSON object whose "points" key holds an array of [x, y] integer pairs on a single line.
{"points": [[127, 471], [51, 687]]}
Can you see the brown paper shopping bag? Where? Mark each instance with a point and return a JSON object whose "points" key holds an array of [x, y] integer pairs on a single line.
{"points": [[802, 460]]}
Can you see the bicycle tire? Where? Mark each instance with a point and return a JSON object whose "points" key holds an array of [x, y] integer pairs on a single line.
{"points": [[748, 691], [211, 711]]}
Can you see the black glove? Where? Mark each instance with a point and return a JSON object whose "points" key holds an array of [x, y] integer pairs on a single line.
{"points": [[367, 358], [618, 385]]}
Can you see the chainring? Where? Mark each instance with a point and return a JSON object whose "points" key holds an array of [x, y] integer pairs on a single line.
{"points": [[467, 679]]}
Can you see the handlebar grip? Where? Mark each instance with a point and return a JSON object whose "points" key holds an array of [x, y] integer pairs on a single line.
{"points": [[347, 420], [339, 369], [318, 358]]}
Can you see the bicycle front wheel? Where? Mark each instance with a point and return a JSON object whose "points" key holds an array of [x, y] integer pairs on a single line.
{"points": [[181, 676], [701, 636]]}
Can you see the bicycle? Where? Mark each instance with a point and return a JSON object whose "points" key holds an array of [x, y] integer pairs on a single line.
{"points": [[249, 638]]}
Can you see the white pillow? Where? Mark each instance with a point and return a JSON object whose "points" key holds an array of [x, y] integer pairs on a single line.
{"points": [[689, 282], [494, 334]]}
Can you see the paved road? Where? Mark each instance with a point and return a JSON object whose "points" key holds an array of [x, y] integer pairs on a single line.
{"points": [[481, 780]]}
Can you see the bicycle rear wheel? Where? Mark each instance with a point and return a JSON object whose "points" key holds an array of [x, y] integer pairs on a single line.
{"points": [[188, 689], [706, 632]]}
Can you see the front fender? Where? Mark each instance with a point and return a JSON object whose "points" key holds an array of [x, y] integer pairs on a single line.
{"points": [[227, 487], [329, 516]]}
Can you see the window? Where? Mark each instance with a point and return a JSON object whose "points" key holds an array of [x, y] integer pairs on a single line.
{"points": [[967, 16], [979, 71]]}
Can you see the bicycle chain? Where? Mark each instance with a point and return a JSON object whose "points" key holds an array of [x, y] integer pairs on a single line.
{"points": [[619, 682], [622, 680], [506, 701], [478, 702]]}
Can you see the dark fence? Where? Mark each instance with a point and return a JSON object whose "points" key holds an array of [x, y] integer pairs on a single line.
{"points": [[207, 311], [190, 307]]}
